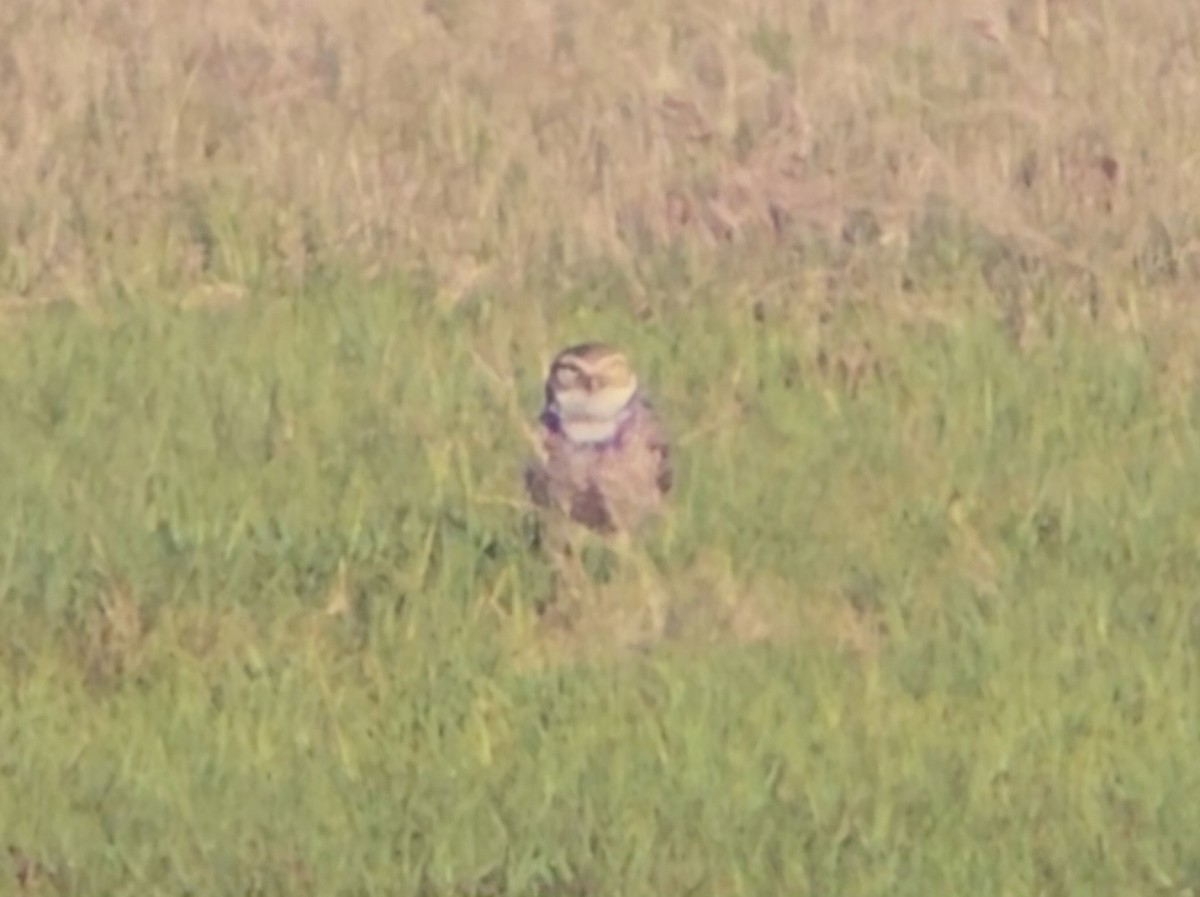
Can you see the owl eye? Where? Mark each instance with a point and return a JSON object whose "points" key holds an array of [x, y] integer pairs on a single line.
{"points": [[568, 377]]}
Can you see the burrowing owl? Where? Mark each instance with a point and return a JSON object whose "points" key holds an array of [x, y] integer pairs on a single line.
{"points": [[606, 462]]}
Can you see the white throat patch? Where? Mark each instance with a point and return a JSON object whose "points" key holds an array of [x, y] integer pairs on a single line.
{"points": [[584, 431], [599, 418]]}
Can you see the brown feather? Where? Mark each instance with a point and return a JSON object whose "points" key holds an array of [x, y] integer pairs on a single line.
{"points": [[606, 486]]}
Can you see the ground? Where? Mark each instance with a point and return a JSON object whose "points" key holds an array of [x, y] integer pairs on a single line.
{"points": [[913, 286]]}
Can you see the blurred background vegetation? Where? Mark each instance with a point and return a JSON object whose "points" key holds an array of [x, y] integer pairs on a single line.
{"points": [[914, 285]]}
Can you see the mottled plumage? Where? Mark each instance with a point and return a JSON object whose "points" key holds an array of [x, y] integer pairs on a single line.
{"points": [[606, 462]]}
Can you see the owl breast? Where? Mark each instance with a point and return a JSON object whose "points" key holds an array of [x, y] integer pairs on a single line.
{"points": [[607, 486]]}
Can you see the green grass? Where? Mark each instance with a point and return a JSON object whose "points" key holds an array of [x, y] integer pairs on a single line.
{"points": [[975, 573]]}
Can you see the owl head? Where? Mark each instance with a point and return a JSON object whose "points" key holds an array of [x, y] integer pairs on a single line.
{"points": [[589, 390]]}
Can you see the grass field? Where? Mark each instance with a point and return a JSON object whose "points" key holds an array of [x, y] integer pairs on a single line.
{"points": [[914, 289]]}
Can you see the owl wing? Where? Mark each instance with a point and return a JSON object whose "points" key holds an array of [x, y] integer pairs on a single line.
{"points": [[537, 483], [660, 450], [666, 475]]}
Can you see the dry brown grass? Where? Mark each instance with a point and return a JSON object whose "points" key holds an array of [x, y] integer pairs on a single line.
{"points": [[168, 146]]}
